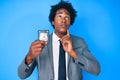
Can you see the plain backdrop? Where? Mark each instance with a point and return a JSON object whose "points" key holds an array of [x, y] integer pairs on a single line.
{"points": [[97, 21]]}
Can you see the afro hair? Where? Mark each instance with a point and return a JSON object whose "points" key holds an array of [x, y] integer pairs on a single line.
{"points": [[63, 5]]}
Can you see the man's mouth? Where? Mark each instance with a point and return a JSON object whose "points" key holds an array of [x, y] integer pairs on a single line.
{"points": [[63, 25]]}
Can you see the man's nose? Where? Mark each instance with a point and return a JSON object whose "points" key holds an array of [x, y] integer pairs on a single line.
{"points": [[63, 20]]}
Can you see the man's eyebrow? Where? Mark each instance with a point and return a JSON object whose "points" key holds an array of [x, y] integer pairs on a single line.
{"points": [[61, 13]]}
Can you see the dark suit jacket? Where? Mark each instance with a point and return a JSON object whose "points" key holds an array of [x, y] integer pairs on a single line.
{"points": [[85, 61]]}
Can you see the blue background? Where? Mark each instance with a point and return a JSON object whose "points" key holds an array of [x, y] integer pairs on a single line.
{"points": [[98, 22]]}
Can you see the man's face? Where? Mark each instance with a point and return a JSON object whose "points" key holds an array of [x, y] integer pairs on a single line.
{"points": [[61, 21]]}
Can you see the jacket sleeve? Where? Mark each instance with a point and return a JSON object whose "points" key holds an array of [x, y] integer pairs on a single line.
{"points": [[85, 59], [25, 70]]}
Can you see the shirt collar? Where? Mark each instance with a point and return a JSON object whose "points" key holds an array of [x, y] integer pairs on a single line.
{"points": [[55, 37]]}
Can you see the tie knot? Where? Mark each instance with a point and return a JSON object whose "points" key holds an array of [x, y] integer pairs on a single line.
{"points": [[60, 43]]}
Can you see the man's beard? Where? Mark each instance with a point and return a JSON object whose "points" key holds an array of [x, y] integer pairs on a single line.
{"points": [[63, 33]]}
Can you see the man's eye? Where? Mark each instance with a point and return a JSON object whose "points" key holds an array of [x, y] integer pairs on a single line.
{"points": [[59, 16], [67, 18]]}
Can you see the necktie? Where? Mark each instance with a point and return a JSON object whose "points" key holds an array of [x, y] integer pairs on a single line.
{"points": [[62, 64]]}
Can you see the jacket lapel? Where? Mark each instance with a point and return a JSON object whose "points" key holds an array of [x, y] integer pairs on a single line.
{"points": [[68, 58], [50, 51]]}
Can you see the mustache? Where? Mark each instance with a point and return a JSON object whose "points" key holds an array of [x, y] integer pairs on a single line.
{"points": [[63, 24]]}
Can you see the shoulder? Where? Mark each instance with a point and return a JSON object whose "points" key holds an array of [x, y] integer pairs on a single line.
{"points": [[76, 38], [78, 41]]}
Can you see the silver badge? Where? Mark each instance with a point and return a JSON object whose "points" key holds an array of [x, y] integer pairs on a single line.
{"points": [[43, 35]]}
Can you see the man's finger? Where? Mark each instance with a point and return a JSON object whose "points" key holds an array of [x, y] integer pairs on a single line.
{"points": [[68, 33]]}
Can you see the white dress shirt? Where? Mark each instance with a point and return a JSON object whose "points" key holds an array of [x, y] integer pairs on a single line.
{"points": [[55, 45]]}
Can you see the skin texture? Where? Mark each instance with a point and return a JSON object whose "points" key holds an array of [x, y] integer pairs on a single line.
{"points": [[61, 25]]}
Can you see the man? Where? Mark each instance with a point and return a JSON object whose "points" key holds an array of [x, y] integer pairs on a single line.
{"points": [[46, 55]]}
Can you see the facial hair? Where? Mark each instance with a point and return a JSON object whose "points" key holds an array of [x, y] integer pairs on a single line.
{"points": [[63, 33]]}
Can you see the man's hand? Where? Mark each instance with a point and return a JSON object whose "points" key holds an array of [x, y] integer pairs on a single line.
{"points": [[67, 45], [35, 49]]}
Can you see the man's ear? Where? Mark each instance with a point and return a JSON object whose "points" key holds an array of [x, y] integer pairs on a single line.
{"points": [[52, 22]]}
